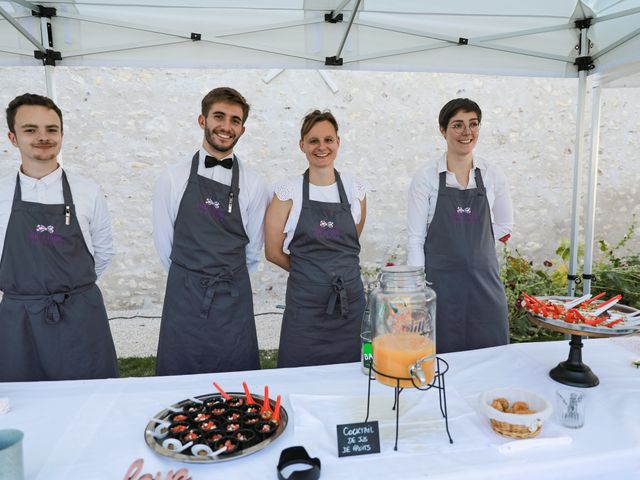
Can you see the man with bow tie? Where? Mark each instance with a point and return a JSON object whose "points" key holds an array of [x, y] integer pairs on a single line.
{"points": [[55, 240], [208, 215]]}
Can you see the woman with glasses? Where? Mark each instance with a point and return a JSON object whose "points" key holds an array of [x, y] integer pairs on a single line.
{"points": [[458, 205], [312, 229]]}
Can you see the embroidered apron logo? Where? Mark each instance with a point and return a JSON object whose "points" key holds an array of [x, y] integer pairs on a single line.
{"points": [[42, 228], [464, 215], [45, 235], [327, 229], [211, 208], [208, 201], [324, 224]]}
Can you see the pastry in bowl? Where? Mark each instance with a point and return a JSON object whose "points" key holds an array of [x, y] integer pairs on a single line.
{"points": [[515, 412]]}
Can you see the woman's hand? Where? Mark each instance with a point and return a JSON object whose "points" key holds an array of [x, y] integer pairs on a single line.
{"points": [[275, 220]]}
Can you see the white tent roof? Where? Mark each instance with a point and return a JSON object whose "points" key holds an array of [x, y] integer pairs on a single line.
{"points": [[494, 36]]}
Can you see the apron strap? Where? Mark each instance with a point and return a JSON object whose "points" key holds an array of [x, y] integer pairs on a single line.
{"points": [[341, 192], [442, 181], [17, 192], [338, 291], [210, 283], [305, 188], [195, 160], [49, 304], [66, 190], [479, 181]]}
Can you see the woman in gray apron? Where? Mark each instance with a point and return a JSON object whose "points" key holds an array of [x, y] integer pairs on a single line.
{"points": [[459, 248], [325, 297], [53, 322], [207, 319]]}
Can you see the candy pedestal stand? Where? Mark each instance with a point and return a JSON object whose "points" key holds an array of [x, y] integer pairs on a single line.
{"points": [[438, 383], [572, 371]]}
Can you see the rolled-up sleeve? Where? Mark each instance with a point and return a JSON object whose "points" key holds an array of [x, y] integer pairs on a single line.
{"points": [[417, 218], [163, 218], [101, 238], [256, 208], [502, 207]]}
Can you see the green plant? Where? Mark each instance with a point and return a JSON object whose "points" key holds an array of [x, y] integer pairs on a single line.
{"points": [[617, 274], [519, 275]]}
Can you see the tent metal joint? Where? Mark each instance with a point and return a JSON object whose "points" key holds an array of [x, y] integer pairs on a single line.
{"points": [[48, 57], [44, 12], [574, 278], [334, 61], [584, 63], [196, 36], [583, 23], [463, 41], [330, 18]]}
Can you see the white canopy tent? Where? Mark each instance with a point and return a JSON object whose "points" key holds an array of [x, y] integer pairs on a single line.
{"points": [[555, 38]]}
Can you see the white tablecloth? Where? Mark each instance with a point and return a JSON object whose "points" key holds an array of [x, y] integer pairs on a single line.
{"points": [[95, 429]]}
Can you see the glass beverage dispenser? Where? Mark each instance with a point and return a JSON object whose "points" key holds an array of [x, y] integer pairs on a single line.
{"points": [[402, 314]]}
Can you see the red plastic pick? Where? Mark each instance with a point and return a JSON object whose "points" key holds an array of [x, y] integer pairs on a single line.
{"points": [[265, 411], [276, 412], [246, 392], [224, 394]]}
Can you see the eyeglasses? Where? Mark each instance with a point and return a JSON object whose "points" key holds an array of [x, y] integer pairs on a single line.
{"points": [[459, 126]]}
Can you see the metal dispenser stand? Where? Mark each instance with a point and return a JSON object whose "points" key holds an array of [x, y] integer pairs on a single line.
{"points": [[442, 367]]}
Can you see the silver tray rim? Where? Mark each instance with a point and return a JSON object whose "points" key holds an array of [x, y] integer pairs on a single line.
{"points": [[613, 331], [181, 457]]}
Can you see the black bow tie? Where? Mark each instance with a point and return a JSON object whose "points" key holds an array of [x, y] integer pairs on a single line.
{"points": [[212, 162]]}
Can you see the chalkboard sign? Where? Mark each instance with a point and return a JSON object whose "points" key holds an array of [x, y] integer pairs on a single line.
{"points": [[358, 439]]}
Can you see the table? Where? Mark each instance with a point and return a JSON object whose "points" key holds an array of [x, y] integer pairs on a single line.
{"points": [[95, 429]]}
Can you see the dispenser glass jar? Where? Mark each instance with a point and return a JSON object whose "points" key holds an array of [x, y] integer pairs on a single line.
{"points": [[402, 314]]}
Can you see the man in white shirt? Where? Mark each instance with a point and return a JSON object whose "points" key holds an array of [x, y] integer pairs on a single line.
{"points": [[55, 236], [208, 218]]}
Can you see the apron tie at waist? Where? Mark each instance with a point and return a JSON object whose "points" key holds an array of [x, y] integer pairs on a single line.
{"points": [[50, 304], [51, 307], [338, 291], [210, 283]]}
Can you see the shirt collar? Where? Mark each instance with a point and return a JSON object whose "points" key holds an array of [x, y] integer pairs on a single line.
{"points": [[47, 180], [478, 162]]}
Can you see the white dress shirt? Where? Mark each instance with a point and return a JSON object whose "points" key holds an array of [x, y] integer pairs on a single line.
{"points": [[253, 200], [90, 203], [291, 189], [423, 194]]}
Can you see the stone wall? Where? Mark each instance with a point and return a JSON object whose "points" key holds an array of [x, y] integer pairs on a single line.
{"points": [[124, 126]]}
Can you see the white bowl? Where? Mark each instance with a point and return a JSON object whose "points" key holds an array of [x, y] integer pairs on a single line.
{"points": [[532, 421]]}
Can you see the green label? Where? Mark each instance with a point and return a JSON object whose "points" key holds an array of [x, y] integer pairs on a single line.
{"points": [[367, 354]]}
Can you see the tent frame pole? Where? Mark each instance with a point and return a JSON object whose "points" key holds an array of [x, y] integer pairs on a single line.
{"points": [[577, 166], [337, 60], [590, 215], [23, 31]]}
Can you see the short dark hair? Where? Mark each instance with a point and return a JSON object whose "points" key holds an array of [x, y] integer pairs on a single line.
{"points": [[314, 117], [29, 99], [452, 107], [228, 95]]}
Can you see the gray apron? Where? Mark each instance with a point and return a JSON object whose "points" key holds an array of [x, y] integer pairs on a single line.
{"points": [[53, 323], [207, 319], [325, 296], [461, 263]]}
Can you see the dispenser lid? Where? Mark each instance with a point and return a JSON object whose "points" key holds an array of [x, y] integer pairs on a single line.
{"points": [[407, 269]]}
